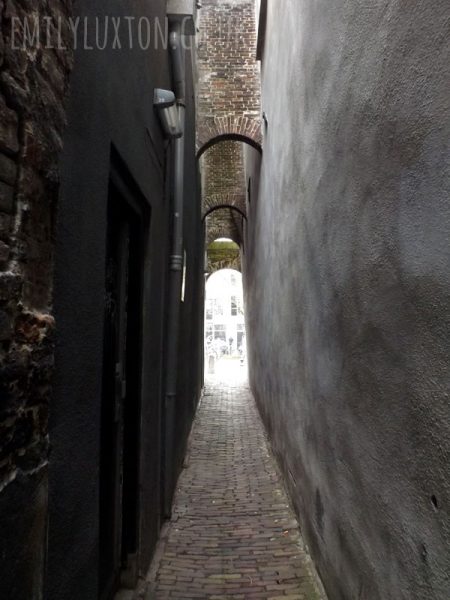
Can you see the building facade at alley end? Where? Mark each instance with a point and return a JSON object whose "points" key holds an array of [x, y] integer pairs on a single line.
{"points": [[145, 145]]}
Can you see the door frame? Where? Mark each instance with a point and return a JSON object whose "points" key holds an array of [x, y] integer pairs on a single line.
{"points": [[131, 200]]}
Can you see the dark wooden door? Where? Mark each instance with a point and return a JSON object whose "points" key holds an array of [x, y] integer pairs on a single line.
{"points": [[114, 396], [128, 225]]}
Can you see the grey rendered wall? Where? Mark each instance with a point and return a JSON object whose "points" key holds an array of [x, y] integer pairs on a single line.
{"points": [[348, 287]]}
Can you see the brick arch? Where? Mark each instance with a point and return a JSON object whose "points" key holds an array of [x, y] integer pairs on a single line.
{"points": [[223, 222], [223, 258], [216, 231], [228, 112], [237, 128], [232, 201], [232, 263], [223, 176]]}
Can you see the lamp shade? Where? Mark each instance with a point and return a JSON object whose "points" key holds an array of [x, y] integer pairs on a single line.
{"points": [[165, 103]]}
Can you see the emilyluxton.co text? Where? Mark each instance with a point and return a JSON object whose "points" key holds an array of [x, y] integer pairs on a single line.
{"points": [[97, 33]]}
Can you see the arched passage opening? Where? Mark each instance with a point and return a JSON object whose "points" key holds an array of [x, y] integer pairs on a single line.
{"points": [[223, 234], [255, 142], [222, 168], [229, 167]]}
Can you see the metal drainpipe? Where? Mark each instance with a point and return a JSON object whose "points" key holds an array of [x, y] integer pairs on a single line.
{"points": [[176, 268]]}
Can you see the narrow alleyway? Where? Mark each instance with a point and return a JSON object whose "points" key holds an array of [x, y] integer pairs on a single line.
{"points": [[233, 533]]}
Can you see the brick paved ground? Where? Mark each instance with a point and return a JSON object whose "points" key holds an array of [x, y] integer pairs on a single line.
{"points": [[233, 534]]}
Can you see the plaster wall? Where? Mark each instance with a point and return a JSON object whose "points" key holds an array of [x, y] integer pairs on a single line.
{"points": [[347, 278]]}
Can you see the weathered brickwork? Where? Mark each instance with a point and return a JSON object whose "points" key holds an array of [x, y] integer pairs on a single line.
{"points": [[229, 262], [223, 186], [223, 255], [224, 223], [229, 83], [228, 110], [33, 84], [223, 176]]}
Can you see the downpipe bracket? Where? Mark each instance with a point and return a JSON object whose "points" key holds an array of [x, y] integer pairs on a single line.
{"points": [[176, 263]]}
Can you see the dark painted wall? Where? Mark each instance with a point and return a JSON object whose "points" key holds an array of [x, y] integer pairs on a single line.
{"points": [[23, 506], [348, 287], [111, 105]]}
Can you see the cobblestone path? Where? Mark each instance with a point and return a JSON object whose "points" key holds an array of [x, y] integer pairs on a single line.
{"points": [[233, 534]]}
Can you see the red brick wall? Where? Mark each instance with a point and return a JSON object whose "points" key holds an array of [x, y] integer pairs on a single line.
{"points": [[224, 223], [223, 176], [228, 107], [229, 83], [33, 84]]}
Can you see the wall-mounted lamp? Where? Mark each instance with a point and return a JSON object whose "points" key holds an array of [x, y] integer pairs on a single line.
{"points": [[165, 103]]}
